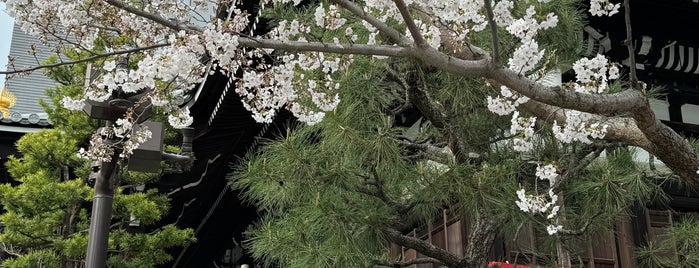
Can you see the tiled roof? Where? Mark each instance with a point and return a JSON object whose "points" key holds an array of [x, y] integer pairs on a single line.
{"points": [[38, 119]]}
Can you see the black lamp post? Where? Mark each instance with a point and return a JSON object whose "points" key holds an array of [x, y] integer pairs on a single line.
{"points": [[146, 158]]}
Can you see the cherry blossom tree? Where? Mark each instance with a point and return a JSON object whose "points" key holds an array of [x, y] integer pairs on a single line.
{"points": [[298, 64], [179, 44]]}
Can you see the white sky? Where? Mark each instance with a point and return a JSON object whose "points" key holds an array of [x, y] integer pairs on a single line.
{"points": [[5, 35]]}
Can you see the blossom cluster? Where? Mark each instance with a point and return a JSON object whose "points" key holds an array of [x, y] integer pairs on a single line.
{"points": [[330, 18], [578, 128], [506, 103], [460, 17], [123, 136], [527, 55], [592, 74], [525, 127], [543, 203], [73, 104], [141, 135], [603, 8]]}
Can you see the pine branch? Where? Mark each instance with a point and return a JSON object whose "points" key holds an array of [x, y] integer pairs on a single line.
{"points": [[437, 154], [583, 228], [419, 99], [427, 249], [9, 250], [379, 192], [407, 263], [578, 164]]}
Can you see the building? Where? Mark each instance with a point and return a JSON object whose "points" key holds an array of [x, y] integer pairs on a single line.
{"points": [[26, 115]]}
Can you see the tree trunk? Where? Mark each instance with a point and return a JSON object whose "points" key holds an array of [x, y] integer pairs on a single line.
{"points": [[480, 239], [563, 254]]}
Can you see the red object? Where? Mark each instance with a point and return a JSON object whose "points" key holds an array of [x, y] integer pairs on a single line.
{"points": [[505, 265]]}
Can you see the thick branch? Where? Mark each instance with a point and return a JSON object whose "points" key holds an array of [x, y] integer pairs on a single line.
{"points": [[604, 104], [642, 130], [99, 56], [426, 249], [671, 148]]}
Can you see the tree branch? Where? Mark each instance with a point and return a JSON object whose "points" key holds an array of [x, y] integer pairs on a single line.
{"points": [[578, 164], [629, 46], [410, 23], [380, 193], [9, 250], [426, 249], [420, 100], [603, 104], [441, 155], [153, 17], [99, 56], [357, 49], [493, 31], [583, 228], [392, 34], [407, 263]]}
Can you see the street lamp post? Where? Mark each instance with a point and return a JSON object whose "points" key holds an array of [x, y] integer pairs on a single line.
{"points": [[146, 158], [105, 185]]}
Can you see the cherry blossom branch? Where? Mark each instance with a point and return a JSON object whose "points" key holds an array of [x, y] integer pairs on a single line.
{"points": [[392, 34], [605, 104], [153, 17], [617, 103], [410, 23], [96, 57], [357, 49], [493, 30], [621, 129], [629, 46], [642, 130]]}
